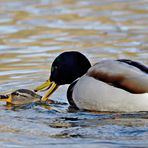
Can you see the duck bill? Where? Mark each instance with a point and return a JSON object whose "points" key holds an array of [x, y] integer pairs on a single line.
{"points": [[6, 98], [50, 86], [44, 86], [51, 89]]}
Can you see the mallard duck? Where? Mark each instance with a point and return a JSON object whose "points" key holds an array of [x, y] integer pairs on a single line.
{"points": [[109, 85], [24, 96], [20, 97]]}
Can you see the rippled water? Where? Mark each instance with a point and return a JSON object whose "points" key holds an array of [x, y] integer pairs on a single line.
{"points": [[33, 33]]}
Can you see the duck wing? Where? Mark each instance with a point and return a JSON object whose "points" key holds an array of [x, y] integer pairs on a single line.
{"points": [[136, 64], [125, 74]]}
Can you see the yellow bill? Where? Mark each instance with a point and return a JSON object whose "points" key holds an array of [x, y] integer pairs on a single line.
{"points": [[52, 89], [6, 98], [50, 86], [44, 86]]}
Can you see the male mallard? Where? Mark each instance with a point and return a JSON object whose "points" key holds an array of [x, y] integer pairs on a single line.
{"points": [[109, 85]]}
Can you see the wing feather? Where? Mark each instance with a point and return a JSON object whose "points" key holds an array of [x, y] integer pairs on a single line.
{"points": [[121, 75]]}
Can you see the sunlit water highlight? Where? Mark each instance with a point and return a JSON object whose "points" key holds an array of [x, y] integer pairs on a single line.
{"points": [[33, 33]]}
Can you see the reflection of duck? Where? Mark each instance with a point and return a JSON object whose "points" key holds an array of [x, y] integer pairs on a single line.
{"points": [[21, 96], [109, 85]]}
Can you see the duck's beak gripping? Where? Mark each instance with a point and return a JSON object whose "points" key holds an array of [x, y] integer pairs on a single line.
{"points": [[6, 98], [50, 86]]}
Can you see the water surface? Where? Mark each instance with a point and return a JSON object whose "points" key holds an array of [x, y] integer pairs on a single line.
{"points": [[33, 33]]}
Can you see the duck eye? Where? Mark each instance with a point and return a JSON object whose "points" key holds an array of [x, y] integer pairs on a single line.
{"points": [[15, 93], [54, 68]]}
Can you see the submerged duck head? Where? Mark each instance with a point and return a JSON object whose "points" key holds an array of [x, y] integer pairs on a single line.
{"points": [[21, 96], [66, 68]]}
